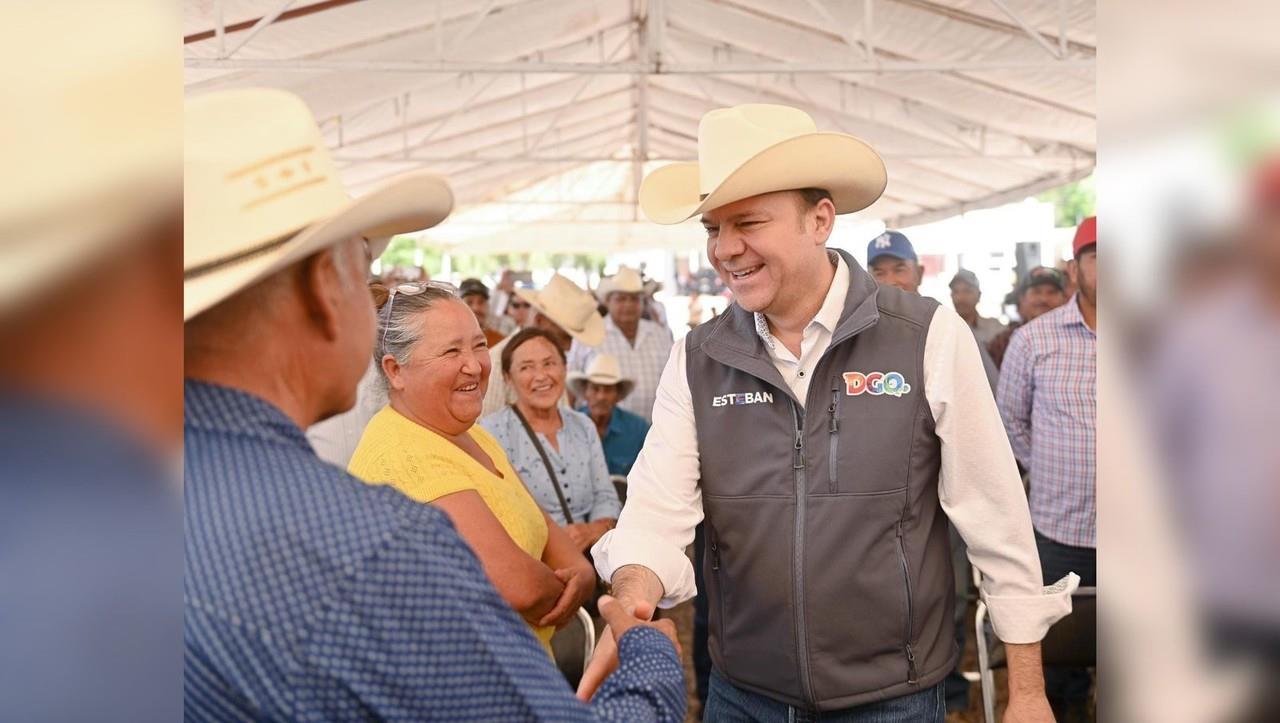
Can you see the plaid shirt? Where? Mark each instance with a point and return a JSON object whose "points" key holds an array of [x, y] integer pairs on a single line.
{"points": [[1048, 398], [310, 595], [642, 363]]}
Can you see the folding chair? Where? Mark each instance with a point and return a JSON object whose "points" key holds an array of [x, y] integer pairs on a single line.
{"points": [[1071, 641], [588, 627], [565, 653]]}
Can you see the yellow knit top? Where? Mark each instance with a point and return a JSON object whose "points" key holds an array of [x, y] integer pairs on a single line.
{"points": [[425, 466]]}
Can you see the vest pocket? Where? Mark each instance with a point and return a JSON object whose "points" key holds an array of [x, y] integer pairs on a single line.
{"points": [[854, 586], [908, 612]]}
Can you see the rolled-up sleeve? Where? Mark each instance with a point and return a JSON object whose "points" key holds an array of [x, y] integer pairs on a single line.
{"points": [[980, 489], [664, 502]]}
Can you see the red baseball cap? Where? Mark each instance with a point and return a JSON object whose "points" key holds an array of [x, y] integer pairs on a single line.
{"points": [[1266, 184], [1086, 235]]}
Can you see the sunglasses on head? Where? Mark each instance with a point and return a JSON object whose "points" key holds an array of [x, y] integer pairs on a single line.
{"points": [[384, 298], [518, 305]]}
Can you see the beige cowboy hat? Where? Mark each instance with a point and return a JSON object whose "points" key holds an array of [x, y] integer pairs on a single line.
{"points": [[603, 370], [90, 152], [573, 309], [627, 281], [261, 193], [758, 148]]}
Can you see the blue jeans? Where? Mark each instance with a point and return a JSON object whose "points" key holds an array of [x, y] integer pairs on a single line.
{"points": [[729, 704], [1064, 686]]}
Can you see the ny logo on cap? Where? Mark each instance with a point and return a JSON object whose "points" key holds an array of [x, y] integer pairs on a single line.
{"points": [[883, 241]]}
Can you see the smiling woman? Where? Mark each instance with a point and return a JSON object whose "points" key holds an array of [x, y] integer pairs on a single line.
{"points": [[435, 365], [555, 449]]}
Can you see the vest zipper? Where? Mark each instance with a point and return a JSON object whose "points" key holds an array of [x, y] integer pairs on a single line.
{"points": [[833, 426], [912, 676], [715, 568], [802, 637]]}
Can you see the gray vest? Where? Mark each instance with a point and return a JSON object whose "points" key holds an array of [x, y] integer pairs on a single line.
{"points": [[828, 564]]}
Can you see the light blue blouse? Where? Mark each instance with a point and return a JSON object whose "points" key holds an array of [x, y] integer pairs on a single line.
{"points": [[579, 464]]}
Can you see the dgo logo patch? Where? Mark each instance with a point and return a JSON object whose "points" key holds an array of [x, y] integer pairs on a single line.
{"points": [[875, 384]]}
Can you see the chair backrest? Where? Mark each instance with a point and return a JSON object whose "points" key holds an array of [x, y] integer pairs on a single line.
{"points": [[620, 484], [1073, 640]]}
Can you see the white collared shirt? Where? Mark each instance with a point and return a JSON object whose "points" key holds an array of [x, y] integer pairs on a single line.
{"points": [[815, 339], [979, 486]]}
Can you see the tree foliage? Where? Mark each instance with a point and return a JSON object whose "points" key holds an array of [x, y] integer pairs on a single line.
{"points": [[1072, 203]]}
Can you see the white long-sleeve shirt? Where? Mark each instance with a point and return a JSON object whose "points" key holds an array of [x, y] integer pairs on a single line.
{"points": [[979, 487]]}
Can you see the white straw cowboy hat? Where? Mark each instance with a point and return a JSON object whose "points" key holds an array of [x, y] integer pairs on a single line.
{"points": [[758, 148], [627, 281], [603, 370], [573, 309], [90, 152], [261, 193]]}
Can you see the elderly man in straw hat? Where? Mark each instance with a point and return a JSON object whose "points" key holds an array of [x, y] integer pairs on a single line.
{"points": [[310, 595], [640, 345], [601, 387], [90, 352], [561, 308], [825, 428]]}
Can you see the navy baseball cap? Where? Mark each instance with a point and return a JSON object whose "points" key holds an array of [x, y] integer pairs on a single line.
{"points": [[891, 243]]}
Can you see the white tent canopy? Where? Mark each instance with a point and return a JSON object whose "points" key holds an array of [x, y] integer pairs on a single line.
{"points": [[544, 114]]}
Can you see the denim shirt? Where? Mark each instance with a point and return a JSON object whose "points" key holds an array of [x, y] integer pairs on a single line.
{"points": [[623, 439]]}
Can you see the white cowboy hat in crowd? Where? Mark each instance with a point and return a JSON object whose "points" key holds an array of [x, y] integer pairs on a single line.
{"points": [[758, 148], [627, 281], [261, 193], [89, 154], [573, 309], [603, 370]]}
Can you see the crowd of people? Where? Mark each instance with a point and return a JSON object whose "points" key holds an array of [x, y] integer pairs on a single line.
{"points": [[393, 507]]}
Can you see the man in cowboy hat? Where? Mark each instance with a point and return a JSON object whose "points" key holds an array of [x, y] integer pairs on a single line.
{"points": [[561, 308], [601, 387], [309, 594], [825, 428], [640, 345], [90, 350]]}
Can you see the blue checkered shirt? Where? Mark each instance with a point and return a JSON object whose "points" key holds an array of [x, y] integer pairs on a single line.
{"points": [[312, 596], [1049, 401]]}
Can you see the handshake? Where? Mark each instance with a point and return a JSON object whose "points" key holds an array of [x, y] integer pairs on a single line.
{"points": [[620, 615]]}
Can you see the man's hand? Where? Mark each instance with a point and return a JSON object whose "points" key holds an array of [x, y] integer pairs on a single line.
{"points": [[1027, 702], [620, 616], [578, 583], [624, 614]]}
